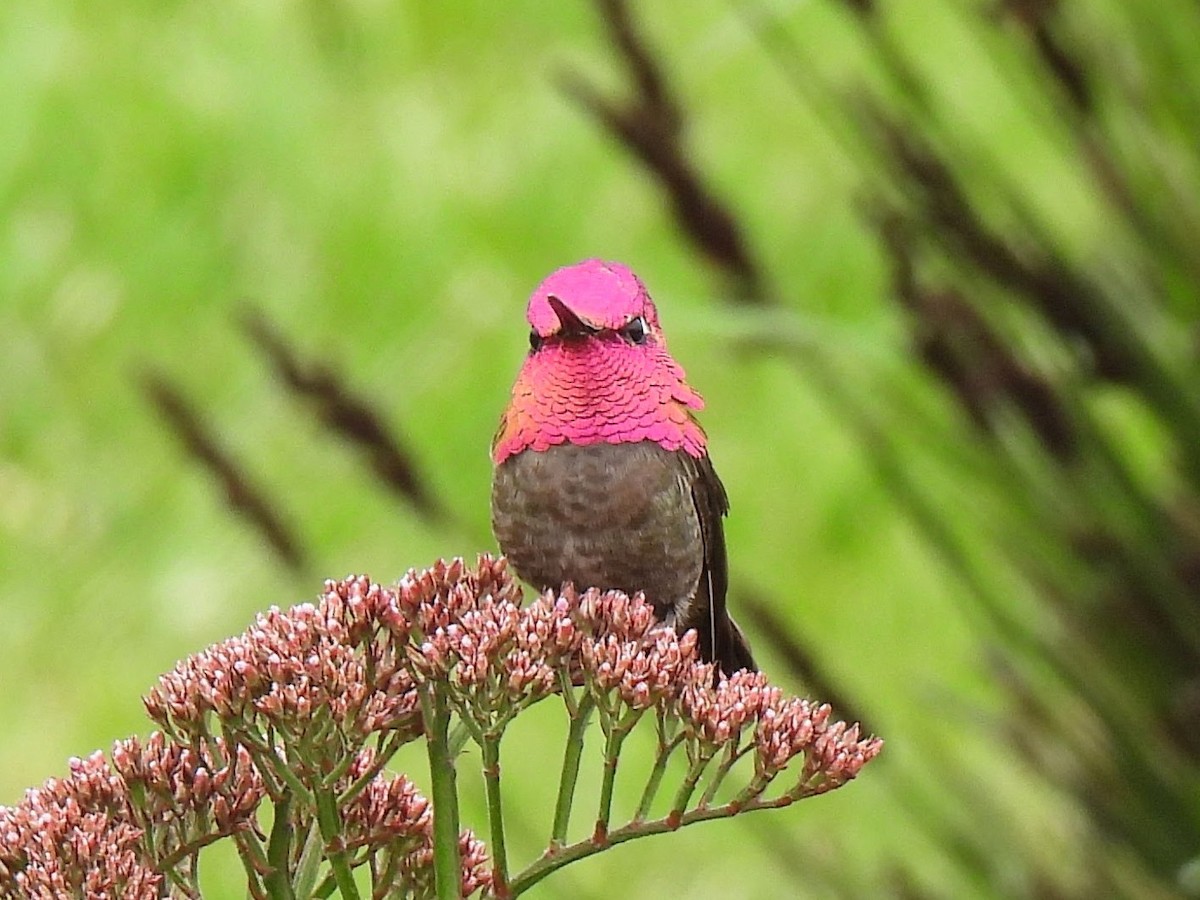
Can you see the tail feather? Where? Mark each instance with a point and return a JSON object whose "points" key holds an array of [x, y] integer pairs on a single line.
{"points": [[731, 650]]}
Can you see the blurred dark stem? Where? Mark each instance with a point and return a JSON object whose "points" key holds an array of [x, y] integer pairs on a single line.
{"points": [[1037, 18], [1071, 303], [1131, 783], [947, 215], [352, 418], [243, 496], [650, 126], [1077, 106], [964, 351], [649, 80]]}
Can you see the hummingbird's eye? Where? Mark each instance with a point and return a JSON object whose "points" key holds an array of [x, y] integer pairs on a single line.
{"points": [[535, 340], [635, 332]]}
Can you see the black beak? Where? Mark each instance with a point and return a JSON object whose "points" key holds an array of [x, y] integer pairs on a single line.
{"points": [[570, 325]]}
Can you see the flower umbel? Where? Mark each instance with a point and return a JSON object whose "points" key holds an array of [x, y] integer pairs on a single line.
{"points": [[278, 740]]}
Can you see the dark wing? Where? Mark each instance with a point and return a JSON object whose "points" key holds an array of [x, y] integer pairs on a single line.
{"points": [[721, 639]]}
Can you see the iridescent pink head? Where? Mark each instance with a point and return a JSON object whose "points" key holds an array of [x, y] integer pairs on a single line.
{"points": [[598, 369], [602, 295]]}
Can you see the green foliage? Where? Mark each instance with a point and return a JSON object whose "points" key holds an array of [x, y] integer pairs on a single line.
{"points": [[978, 512]]}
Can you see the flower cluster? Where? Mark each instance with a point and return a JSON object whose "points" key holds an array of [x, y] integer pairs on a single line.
{"points": [[109, 830], [308, 705], [177, 788], [624, 655], [341, 658], [467, 632], [113, 830], [390, 816], [358, 654], [718, 713]]}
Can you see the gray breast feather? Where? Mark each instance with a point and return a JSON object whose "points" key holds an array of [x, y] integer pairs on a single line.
{"points": [[607, 515]]}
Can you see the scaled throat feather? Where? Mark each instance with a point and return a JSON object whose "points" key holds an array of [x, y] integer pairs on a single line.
{"points": [[600, 390]]}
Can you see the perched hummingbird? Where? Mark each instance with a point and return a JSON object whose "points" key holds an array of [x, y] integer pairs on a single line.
{"points": [[602, 475]]}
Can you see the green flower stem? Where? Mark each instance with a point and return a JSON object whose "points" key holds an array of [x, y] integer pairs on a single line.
{"points": [[665, 749], [325, 888], [732, 755], [604, 713], [254, 861], [570, 769], [170, 864], [384, 879], [567, 691], [468, 727], [751, 792], [331, 832], [511, 710], [269, 760], [689, 782], [185, 880], [334, 775], [178, 879], [262, 753], [446, 864], [309, 866], [316, 732], [276, 881], [667, 745], [612, 756], [491, 781], [459, 735], [555, 858]]}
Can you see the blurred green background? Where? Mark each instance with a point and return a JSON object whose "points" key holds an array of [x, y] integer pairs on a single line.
{"points": [[950, 365]]}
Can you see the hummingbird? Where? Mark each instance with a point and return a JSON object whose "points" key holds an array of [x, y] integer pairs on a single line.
{"points": [[601, 472]]}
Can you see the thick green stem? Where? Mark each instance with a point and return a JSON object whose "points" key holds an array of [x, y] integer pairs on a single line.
{"points": [[277, 883], [491, 781], [331, 832], [446, 865], [570, 769]]}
